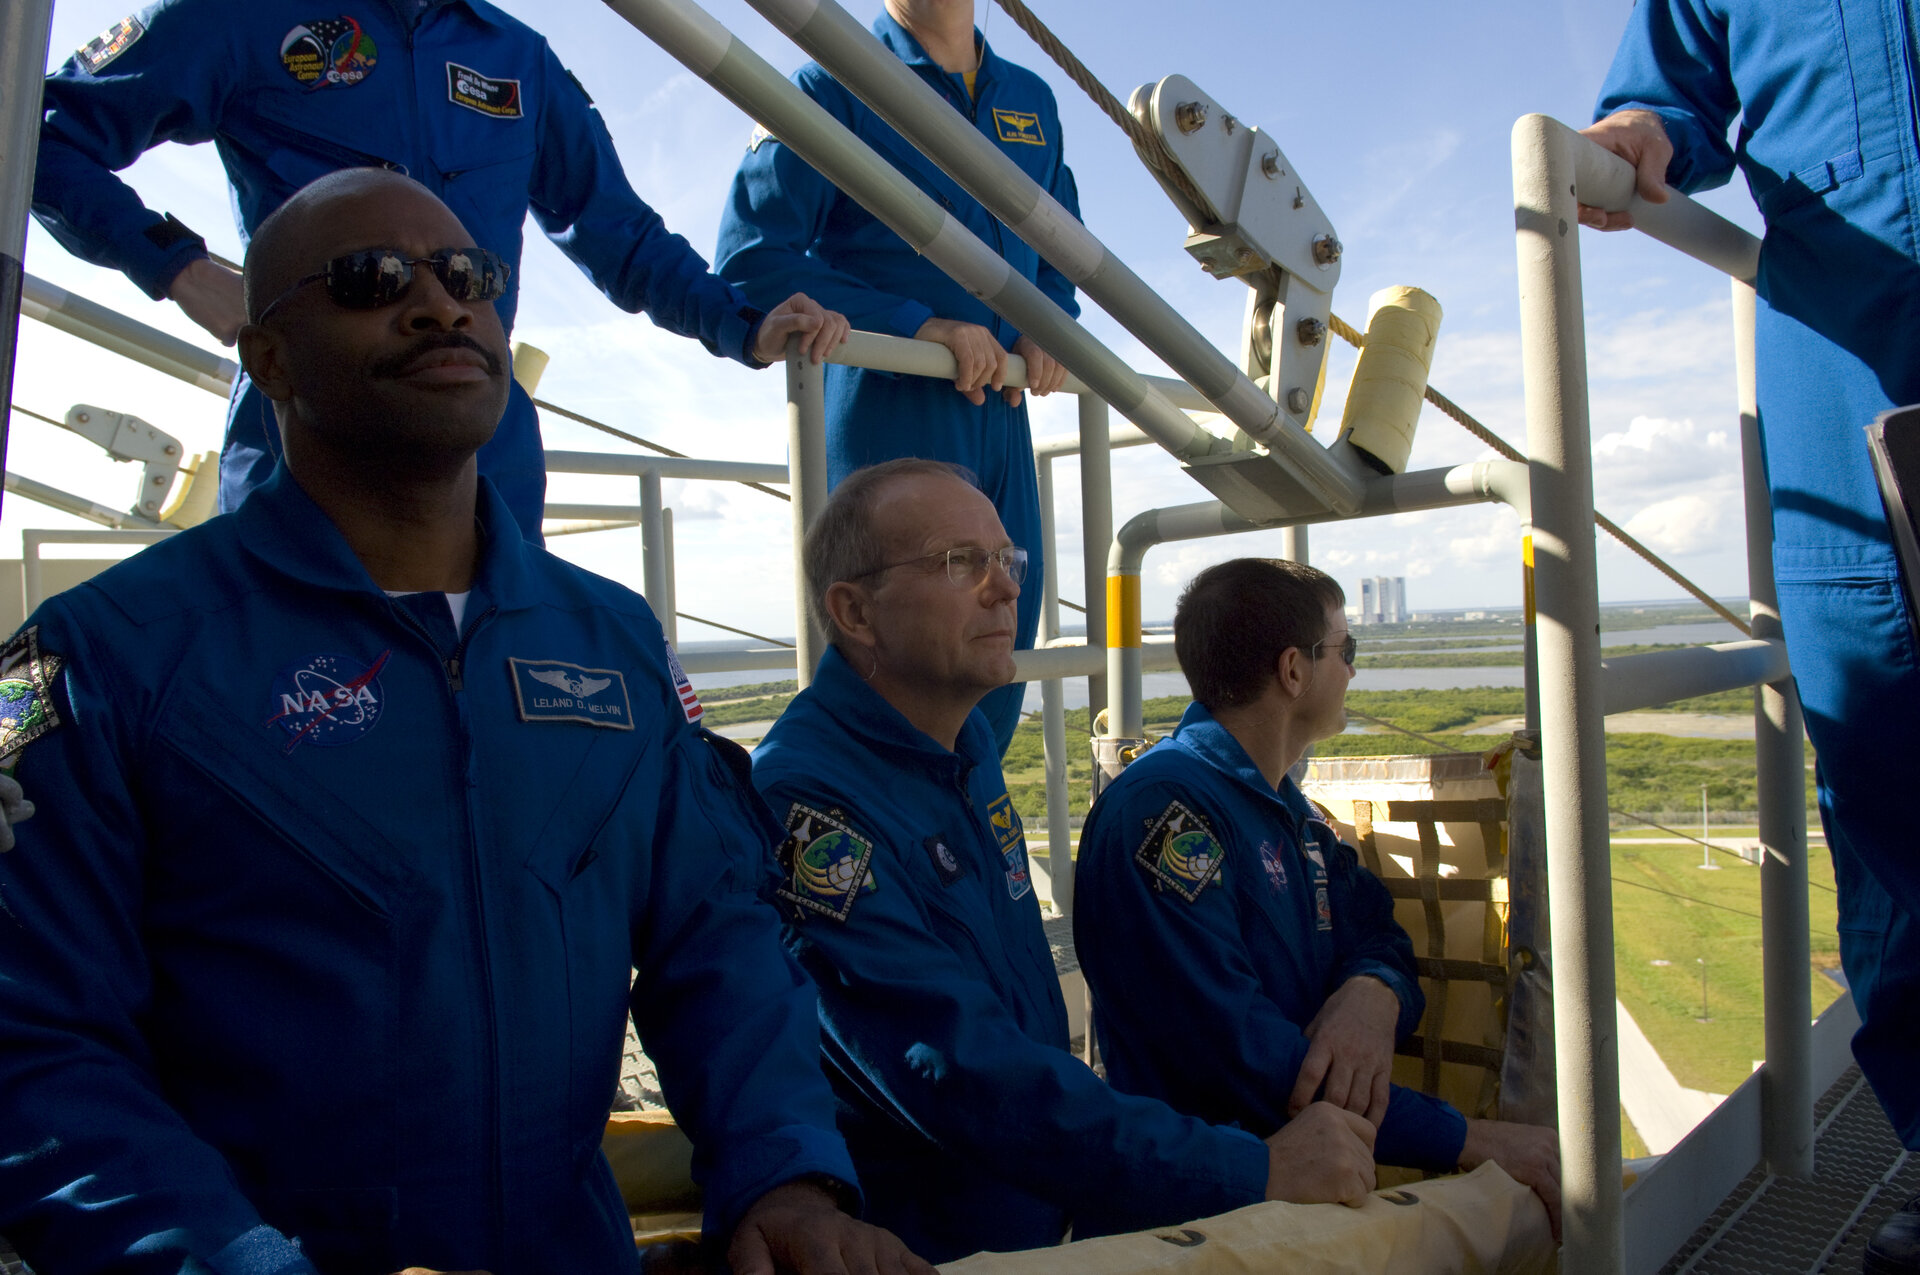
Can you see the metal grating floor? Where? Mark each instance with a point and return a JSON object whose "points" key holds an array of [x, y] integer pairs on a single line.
{"points": [[1772, 1224]]}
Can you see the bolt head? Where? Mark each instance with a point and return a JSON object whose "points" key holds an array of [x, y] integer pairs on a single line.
{"points": [[1190, 117], [83, 417], [1310, 331], [1298, 401], [1270, 165], [1326, 250]]}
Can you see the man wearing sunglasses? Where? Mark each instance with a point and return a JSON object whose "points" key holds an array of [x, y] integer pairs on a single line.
{"points": [[365, 827], [464, 98], [1242, 963], [905, 879]]}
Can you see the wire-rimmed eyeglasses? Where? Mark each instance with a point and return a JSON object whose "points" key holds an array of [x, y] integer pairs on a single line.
{"points": [[966, 565]]}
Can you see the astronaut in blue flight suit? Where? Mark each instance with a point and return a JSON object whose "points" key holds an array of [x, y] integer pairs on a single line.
{"points": [[1829, 145], [467, 100], [358, 815], [1240, 958], [787, 228], [912, 906]]}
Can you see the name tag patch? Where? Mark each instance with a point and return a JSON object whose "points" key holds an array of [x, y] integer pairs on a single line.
{"points": [[828, 865], [26, 693], [556, 691], [109, 44], [328, 51], [1179, 852], [327, 700], [1018, 126], [498, 98]]}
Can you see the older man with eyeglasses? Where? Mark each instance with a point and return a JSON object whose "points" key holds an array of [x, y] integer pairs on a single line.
{"points": [[906, 885], [1243, 964]]}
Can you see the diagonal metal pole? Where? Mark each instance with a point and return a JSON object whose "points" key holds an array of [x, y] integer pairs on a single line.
{"points": [[26, 26]]}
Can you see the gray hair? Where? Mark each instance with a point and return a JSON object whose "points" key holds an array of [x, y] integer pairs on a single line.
{"points": [[842, 544]]}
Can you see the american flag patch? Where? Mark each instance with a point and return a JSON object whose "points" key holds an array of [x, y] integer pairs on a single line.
{"points": [[689, 702]]}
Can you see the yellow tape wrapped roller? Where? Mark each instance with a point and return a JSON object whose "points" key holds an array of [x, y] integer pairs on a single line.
{"points": [[1390, 379]]}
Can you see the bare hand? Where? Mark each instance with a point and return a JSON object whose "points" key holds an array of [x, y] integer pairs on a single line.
{"points": [[1529, 1154], [798, 1228], [800, 315], [212, 296], [982, 361], [14, 807], [1640, 138], [1352, 1050], [1045, 374], [1324, 1155]]}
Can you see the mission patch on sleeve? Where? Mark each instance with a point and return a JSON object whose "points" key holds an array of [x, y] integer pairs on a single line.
{"points": [[1180, 852], [109, 44], [26, 693], [827, 863]]}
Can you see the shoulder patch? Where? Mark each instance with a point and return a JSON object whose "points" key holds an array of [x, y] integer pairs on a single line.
{"points": [[1180, 852], [827, 864], [109, 44], [1018, 126], [27, 709], [498, 99], [689, 702]]}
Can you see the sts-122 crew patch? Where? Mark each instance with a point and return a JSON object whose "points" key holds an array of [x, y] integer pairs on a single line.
{"points": [[827, 863], [109, 44], [26, 693], [497, 98], [1180, 852], [328, 52]]}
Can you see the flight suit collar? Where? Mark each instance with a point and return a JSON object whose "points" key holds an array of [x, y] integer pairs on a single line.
{"points": [[909, 50], [865, 712], [1203, 736], [280, 525]]}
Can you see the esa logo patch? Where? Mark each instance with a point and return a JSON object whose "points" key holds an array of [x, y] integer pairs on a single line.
{"points": [[497, 98], [1180, 852], [26, 693], [327, 700], [827, 863], [556, 691], [328, 51], [1018, 126], [946, 864], [109, 44]]}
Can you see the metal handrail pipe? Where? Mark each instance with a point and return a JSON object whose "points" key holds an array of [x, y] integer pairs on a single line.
{"points": [[625, 515], [1069, 444], [907, 356], [772, 659], [110, 330], [1654, 678], [1043, 664], [79, 506], [1505, 481], [837, 40], [1604, 180], [744, 78], [685, 468], [25, 31]]}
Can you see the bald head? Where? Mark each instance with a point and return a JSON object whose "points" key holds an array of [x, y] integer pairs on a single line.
{"points": [[289, 245]]}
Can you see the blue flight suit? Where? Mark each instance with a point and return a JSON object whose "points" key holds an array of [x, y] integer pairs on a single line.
{"points": [[1825, 92], [945, 1032], [325, 928], [787, 228], [465, 99], [1214, 917]]}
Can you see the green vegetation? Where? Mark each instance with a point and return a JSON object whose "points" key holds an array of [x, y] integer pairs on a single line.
{"points": [[1510, 658]]}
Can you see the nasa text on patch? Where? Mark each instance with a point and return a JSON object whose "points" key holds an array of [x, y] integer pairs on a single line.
{"points": [[483, 93], [327, 700], [1180, 852], [827, 863], [1018, 126], [109, 44], [26, 693], [557, 691]]}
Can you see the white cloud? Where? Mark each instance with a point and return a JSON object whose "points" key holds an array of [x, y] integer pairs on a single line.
{"points": [[1682, 525]]}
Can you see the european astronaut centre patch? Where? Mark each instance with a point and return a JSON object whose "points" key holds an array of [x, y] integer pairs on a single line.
{"points": [[109, 44], [327, 700], [499, 99], [556, 691], [27, 710], [328, 52], [1180, 852], [827, 863]]}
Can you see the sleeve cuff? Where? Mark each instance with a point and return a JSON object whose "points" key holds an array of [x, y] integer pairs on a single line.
{"points": [[749, 318], [906, 320], [160, 253], [1246, 1167], [261, 1251], [1420, 1132], [744, 1173], [1412, 1002]]}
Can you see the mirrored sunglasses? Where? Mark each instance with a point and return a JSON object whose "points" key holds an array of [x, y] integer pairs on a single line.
{"points": [[378, 277], [1346, 650]]}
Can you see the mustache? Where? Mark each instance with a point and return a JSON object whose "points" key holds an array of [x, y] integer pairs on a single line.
{"points": [[398, 363]]}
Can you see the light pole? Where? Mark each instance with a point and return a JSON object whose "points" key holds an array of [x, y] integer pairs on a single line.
{"points": [[1706, 843]]}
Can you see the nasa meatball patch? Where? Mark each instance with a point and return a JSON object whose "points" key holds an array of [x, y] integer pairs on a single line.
{"points": [[556, 691], [827, 864], [327, 700]]}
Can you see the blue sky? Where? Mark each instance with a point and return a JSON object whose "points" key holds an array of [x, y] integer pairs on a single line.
{"points": [[1396, 113]]}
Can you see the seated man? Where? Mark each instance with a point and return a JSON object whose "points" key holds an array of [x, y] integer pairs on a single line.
{"points": [[358, 814], [972, 1125], [1242, 962]]}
